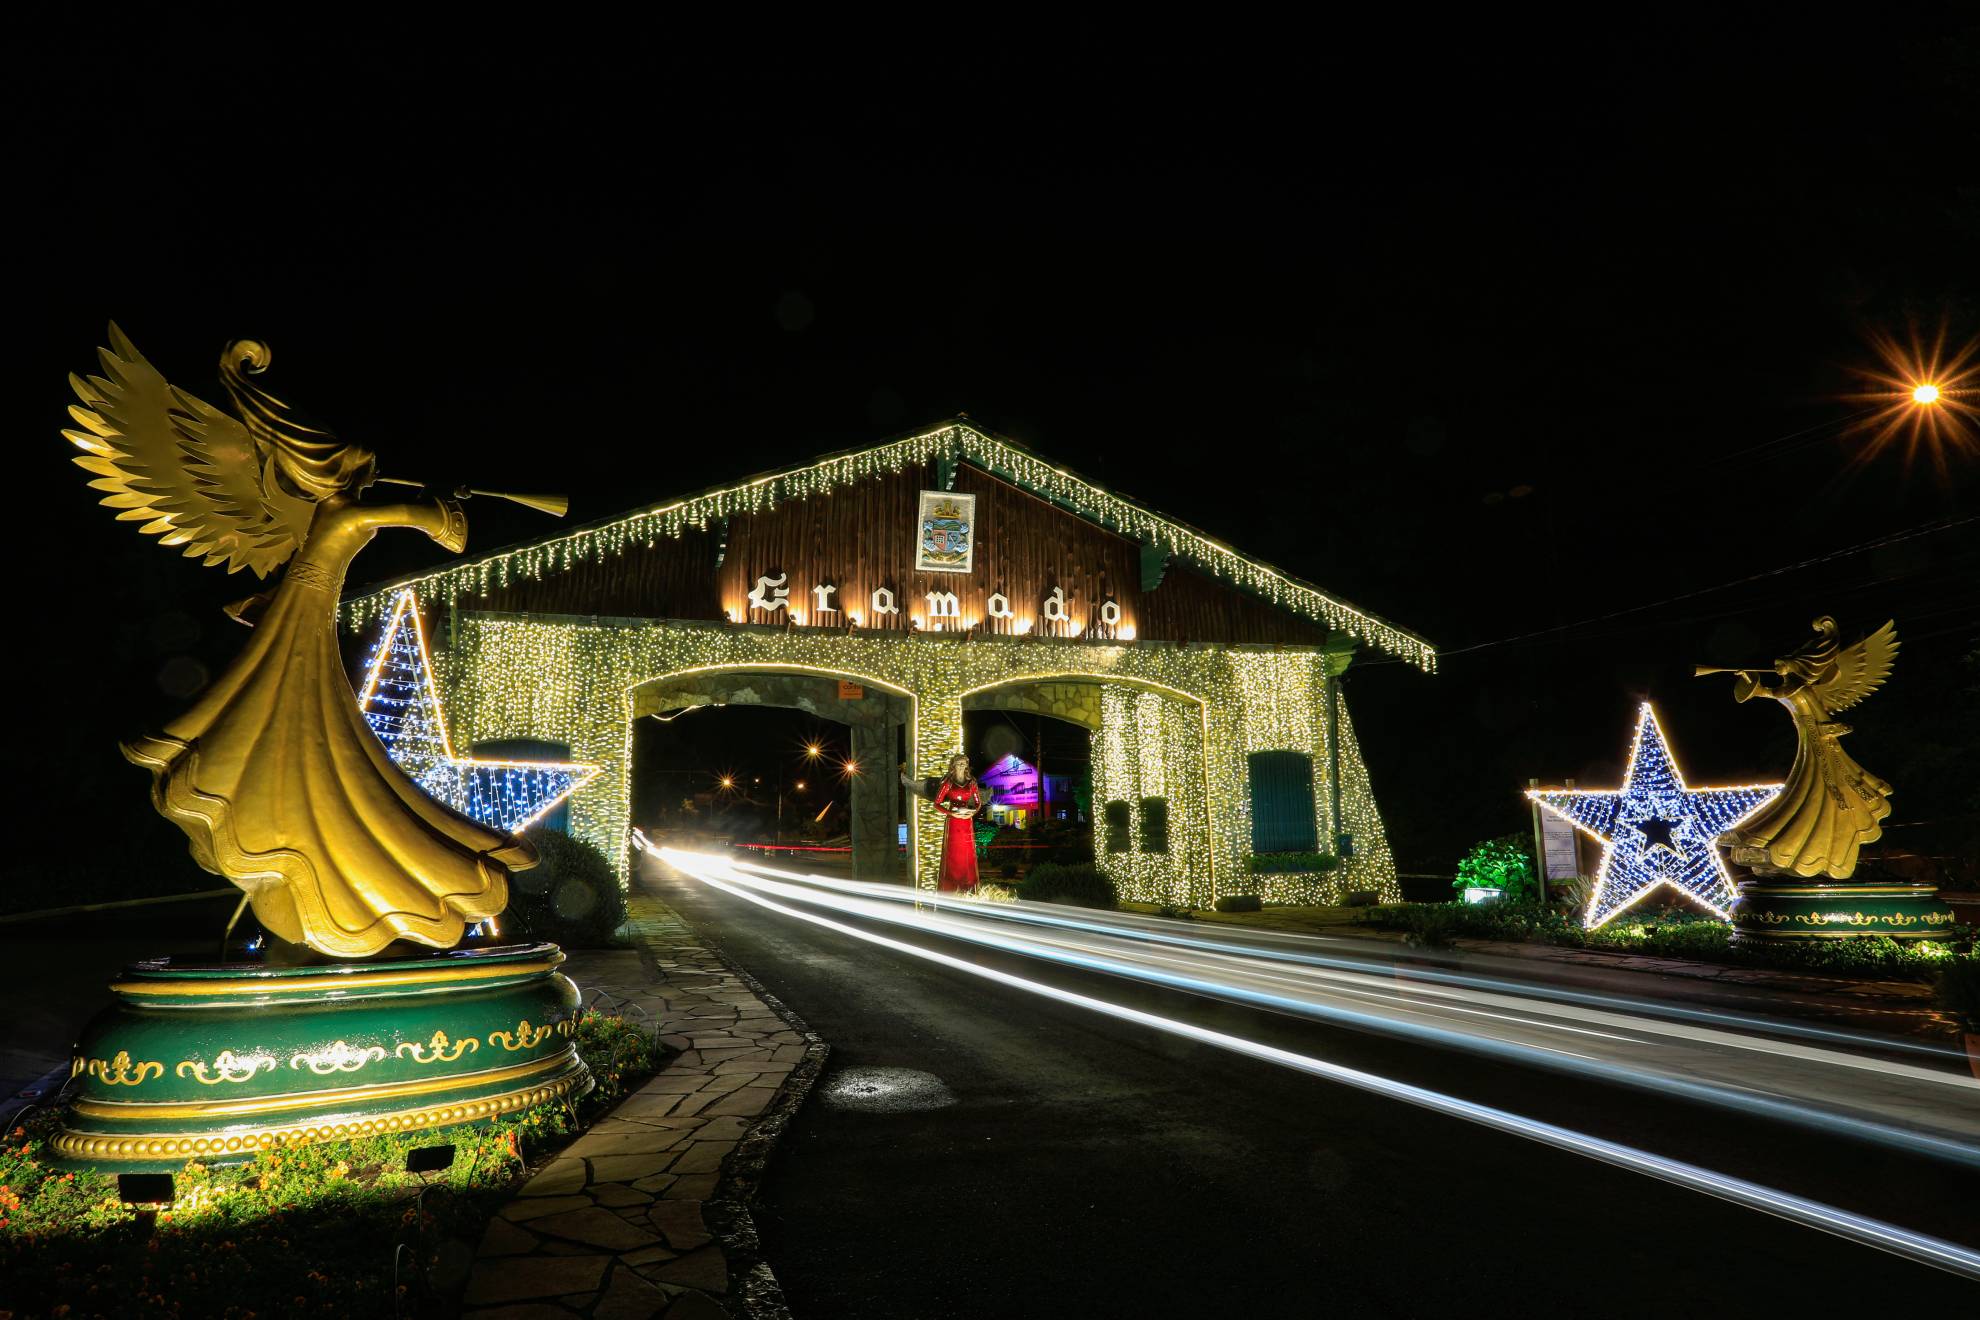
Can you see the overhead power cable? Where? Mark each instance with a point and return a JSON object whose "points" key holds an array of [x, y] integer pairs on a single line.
{"points": [[1893, 538]]}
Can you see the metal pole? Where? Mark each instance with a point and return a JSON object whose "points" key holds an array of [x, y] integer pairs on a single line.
{"points": [[239, 908], [1539, 847]]}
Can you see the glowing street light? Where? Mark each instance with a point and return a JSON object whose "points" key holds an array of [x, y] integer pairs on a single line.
{"points": [[728, 781], [851, 766], [1921, 402], [813, 751]]}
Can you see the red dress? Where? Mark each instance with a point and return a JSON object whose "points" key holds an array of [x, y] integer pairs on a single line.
{"points": [[959, 850]]}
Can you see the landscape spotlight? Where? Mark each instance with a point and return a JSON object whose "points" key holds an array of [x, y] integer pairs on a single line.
{"points": [[147, 1191], [429, 1159]]}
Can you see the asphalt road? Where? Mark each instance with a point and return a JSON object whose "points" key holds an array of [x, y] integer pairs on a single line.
{"points": [[59, 973], [1097, 1168]]}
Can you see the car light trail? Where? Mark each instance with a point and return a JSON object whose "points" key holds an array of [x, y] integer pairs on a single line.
{"points": [[1152, 930], [1289, 989], [718, 874]]}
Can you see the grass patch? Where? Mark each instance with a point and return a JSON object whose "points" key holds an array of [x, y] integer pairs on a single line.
{"points": [[1081, 885], [309, 1231], [1297, 918], [1671, 934]]}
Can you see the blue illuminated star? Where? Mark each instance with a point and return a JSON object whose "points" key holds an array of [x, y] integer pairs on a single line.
{"points": [[1654, 830], [402, 706]]}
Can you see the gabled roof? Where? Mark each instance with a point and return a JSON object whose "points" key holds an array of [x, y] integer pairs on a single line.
{"points": [[960, 440]]}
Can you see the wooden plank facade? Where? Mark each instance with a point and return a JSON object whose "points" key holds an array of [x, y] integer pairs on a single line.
{"points": [[862, 538]]}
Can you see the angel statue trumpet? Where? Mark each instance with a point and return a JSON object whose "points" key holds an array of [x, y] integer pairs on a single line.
{"points": [[274, 774], [1831, 806]]}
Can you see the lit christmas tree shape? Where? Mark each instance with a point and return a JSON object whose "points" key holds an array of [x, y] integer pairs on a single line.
{"points": [[402, 706], [1654, 830]]}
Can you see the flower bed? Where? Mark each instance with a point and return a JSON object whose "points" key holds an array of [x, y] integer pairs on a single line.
{"points": [[335, 1229]]}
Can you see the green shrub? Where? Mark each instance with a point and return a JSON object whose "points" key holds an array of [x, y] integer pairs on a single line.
{"points": [[1280, 863], [1240, 903], [1572, 894], [1502, 863], [1080, 886], [570, 897], [1959, 992]]}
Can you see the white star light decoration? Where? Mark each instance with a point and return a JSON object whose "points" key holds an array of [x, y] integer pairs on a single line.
{"points": [[402, 706], [1656, 831]]}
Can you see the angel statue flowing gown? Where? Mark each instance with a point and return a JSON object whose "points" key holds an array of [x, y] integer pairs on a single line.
{"points": [[280, 783], [1830, 806]]}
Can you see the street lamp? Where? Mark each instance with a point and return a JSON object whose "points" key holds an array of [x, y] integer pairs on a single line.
{"points": [[1927, 393]]}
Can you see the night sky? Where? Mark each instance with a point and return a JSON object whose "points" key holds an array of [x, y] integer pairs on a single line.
{"points": [[1492, 332]]}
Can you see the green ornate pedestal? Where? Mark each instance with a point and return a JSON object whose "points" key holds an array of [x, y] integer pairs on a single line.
{"points": [[218, 1062], [1776, 909]]}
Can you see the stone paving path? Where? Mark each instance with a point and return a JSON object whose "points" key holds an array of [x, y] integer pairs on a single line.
{"points": [[647, 1213]]}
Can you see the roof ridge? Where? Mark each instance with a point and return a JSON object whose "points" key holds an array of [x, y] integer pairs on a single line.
{"points": [[956, 439]]}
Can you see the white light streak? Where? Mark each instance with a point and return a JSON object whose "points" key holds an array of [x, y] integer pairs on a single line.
{"points": [[731, 879]]}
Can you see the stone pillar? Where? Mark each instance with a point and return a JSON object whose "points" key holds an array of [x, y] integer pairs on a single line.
{"points": [[875, 790]]}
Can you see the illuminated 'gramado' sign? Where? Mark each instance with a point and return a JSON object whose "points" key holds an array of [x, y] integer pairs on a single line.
{"points": [[945, 542], [941, 610]]}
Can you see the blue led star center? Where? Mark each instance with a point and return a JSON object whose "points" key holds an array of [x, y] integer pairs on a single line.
{"points": [[1655, 830], [402, 706]]}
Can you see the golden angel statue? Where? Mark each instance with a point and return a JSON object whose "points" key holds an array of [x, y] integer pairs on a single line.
{"points": [[1831, 806], [274, 774]]}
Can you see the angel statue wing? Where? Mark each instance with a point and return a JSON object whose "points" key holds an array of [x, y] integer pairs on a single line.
{"points": [[1860, 669], [193, 475]]}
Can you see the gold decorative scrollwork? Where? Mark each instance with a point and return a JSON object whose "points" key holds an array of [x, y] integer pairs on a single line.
{"points": [[120, 1071], [1845, 918], [227, 1066], [338, 1057], [437, 1050], [524, 1037]]}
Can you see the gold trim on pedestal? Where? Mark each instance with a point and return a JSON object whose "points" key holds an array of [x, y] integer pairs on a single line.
{"points": [[334, 980], [185, 1145], [138, 1110]]}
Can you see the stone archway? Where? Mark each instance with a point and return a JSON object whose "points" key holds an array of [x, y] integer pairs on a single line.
{"points": [[1151, 830], [572, 680], [874, 715]]}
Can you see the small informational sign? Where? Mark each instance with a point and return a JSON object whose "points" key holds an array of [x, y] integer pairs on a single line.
{"points": [[1559, 860], [851, 691], [945, 540]]}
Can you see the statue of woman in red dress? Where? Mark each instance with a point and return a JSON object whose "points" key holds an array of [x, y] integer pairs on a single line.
{"points": [[962, 799]]}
